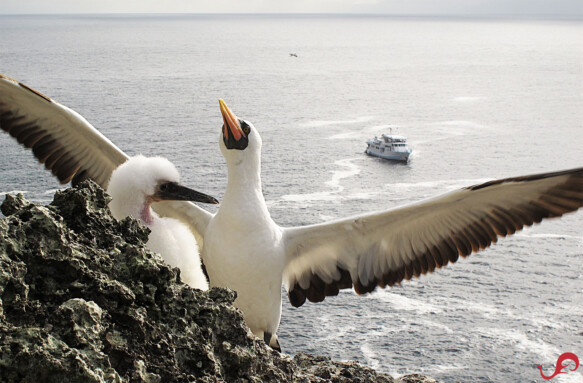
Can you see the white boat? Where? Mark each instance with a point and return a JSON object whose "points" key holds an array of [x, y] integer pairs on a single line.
{"points": [[389, 147]]}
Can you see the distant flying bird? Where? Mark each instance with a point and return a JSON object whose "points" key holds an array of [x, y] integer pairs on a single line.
{"points": [[75, 150], [244, 249]]}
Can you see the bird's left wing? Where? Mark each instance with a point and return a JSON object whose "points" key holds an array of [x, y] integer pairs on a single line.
{"points": [[384, 248], [72, 148], [59, 137]]}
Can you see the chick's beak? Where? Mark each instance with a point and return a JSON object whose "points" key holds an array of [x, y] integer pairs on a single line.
{"points": [[172, 191]]}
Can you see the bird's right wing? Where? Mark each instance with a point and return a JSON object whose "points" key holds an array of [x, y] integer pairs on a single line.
{"points": [[59, 137], [196, 218], [387, 247]]}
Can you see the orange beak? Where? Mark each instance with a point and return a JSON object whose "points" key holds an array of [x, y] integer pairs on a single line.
{"points": [[231, 122]]}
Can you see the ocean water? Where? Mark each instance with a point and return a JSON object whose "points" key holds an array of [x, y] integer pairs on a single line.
{"points": [[478, 99]]}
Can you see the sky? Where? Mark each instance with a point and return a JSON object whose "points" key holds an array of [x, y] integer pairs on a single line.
{"points": [[572, 8]]}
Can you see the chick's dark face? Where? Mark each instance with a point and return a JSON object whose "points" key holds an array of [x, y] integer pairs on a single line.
{"points": [[235, 131]]}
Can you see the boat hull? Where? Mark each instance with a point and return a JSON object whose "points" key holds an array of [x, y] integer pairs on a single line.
{"points": [[394, 156]]}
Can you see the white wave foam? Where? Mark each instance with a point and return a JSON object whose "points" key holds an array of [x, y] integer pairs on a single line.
{"points": [[338, 332], [334, 183], [438, 325], [546, 352], [442, 368], [485, 309], [53, 191], [339, 175], [543, 320], [322, 123], [370, 356], [311, 197], [13, 192], [402, 303], [519, 340]]}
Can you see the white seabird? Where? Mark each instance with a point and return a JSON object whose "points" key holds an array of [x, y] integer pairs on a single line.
{"points": [[139, 182], [83, 152], [244, 249]]}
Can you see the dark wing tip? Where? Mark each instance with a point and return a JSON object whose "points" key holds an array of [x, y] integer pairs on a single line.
{"points": [[32, 136], [296, 296], [45, 148], [318, 290]]}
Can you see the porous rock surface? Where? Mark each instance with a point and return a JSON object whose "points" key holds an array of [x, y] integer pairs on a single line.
{"points": [[82, 300]]}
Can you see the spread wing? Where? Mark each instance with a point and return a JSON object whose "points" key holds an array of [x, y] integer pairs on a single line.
{"points": [[59, 137], [71, 147], [384, 248]]}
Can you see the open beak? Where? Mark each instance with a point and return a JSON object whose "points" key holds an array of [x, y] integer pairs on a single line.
{"points": [[171, 191], [231, 122]]}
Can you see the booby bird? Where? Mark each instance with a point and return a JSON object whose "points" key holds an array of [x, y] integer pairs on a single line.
{"points": [[244, 249], [139, 182], [74, 150], [253, 255]]}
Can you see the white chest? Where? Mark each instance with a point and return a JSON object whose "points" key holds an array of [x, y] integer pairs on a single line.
{"points": [[238, 251], [248, 258]]}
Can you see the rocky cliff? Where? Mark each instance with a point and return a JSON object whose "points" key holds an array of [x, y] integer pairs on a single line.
{"points": [[82, 300]]}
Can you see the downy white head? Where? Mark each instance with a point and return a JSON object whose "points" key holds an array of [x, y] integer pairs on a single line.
{"points": [[140, 181]]}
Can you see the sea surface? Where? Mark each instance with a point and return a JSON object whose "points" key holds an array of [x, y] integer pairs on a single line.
{"points": [[478, 99]]}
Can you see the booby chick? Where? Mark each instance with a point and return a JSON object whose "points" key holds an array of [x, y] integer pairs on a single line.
{"points": [[139, 182], [250, 253], [74, 150]]}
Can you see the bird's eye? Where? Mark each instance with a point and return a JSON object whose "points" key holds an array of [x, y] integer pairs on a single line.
{"points": [[245, 126], [164, 187]]}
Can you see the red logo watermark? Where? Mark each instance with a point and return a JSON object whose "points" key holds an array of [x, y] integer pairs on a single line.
{"points": [[561, 365]]}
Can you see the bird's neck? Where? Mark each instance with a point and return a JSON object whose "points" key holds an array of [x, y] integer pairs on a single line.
{"points": [[244, 187]]}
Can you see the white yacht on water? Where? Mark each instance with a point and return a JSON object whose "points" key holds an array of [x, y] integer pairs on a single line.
{"points": [[389, 147]]}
